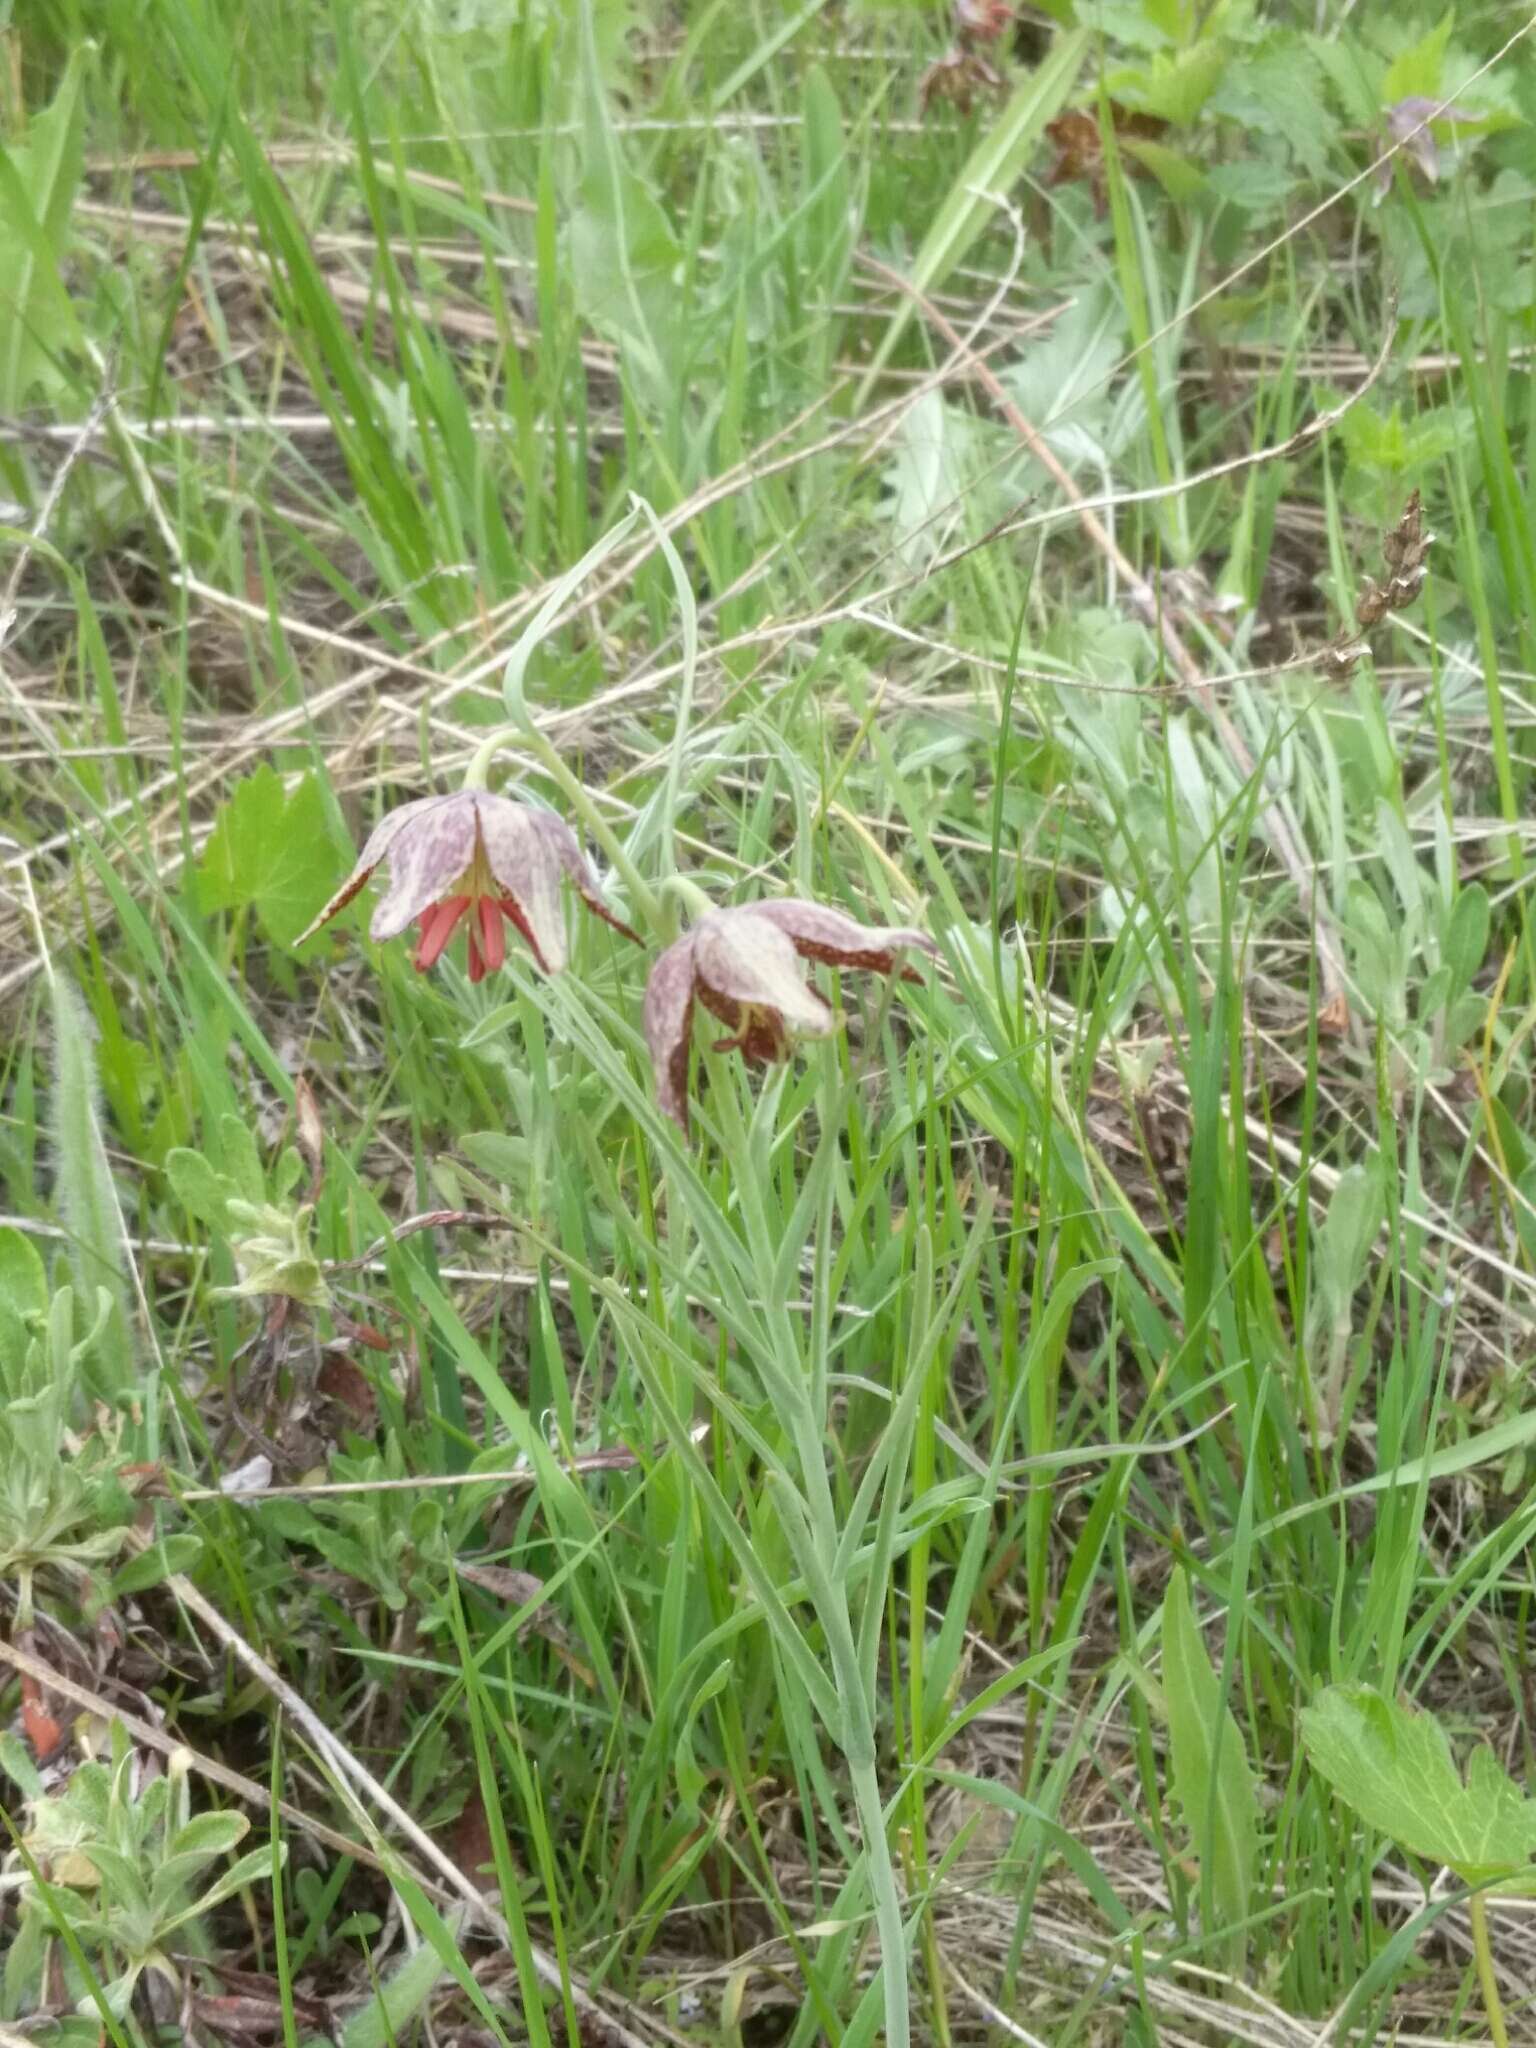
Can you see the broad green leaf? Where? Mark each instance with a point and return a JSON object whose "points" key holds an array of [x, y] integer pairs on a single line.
{"points": [[1174, 88], [199, 1189], [39, 176], [1348, 1234], [992, 168], [1179, 177], [689, 1779], [1418, 72], [252, 1869], [241, 1160], [497, 1153], [178, 1553], [828, 226], [1466, 937], [17, 1764], [397, 2001], [271, 851], [23, 1276], [1394, 1767], [626, 264], [1211, 1779], [209, 1834], [86, 1191]]}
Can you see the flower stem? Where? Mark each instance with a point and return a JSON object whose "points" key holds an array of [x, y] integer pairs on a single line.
{"points": [[1482, 1948], [688, 892]]}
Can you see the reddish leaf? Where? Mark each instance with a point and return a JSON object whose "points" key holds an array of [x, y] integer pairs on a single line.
{"points": [[348, 1386], [311, 1133], [1079, 144], [46, 1734], [472, 1848]]}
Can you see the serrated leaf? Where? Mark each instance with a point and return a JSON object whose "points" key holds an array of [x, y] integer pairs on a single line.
{"points": [[1174, 87], [271, 851], [1277, 90], [1395, 1768], [1211, 1779], [1417, 72], [1064, 379]]}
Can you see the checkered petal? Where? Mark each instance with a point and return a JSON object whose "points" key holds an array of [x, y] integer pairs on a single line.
{"points": [[668, 1024], [818, 933], [426, 856], [566, 848], [746, 957], [382, 838], [522, 855]]}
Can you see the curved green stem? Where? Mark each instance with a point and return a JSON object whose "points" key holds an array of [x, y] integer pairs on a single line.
{"points": [[1482, 1948], [688, 893], [478, 772]]}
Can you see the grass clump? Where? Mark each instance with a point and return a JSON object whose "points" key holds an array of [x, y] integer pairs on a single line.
{"points": [[482, 1560]]}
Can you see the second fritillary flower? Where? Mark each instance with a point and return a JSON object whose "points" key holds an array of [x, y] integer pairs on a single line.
{"points": [[743, 966]]}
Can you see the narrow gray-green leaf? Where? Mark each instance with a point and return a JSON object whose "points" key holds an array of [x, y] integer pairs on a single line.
{"points": [[989, 173]]}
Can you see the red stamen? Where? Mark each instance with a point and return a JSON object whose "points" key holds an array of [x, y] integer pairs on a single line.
{"points": [[493, 933], [520, 924], [436, 929]]}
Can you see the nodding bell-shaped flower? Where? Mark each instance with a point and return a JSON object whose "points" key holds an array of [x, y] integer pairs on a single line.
{"points": [[743, 965], [478, 856]]}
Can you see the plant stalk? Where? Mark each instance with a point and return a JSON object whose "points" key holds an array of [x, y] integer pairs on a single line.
{"points": [[1482, 1948], [857, 1735], [882, 1884]]}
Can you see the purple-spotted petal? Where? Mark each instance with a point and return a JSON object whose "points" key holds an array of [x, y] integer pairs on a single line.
{"points": [[427, 853], [841, 941], [394, 822], [668, 1023], [522, 857], [566, 848], [1408, 123], [747, 958], [382, 837]]}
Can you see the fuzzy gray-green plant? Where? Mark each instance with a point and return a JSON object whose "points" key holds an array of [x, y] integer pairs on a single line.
{"points": [[84, 1189]]}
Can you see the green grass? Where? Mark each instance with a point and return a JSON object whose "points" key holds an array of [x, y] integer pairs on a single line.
{"points": [[740, 1612]]}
